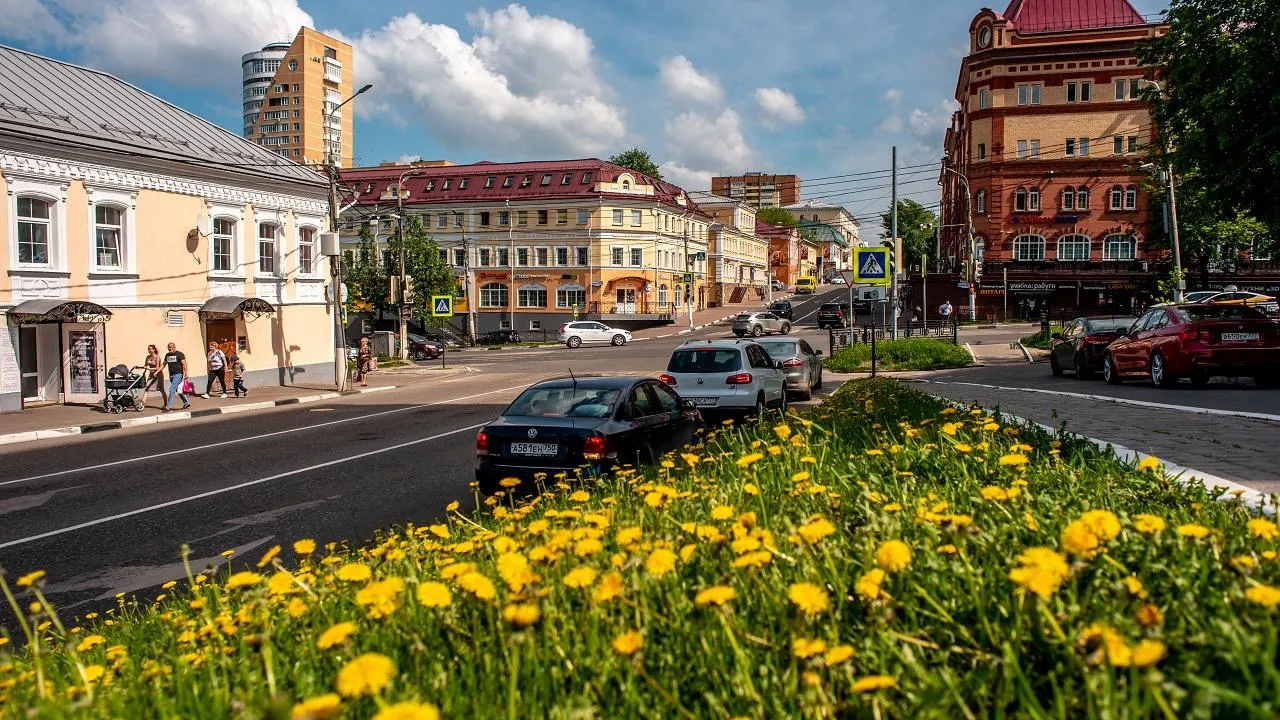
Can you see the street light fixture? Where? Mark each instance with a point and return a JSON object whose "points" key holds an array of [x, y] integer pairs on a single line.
{"points": [[335, 261]]}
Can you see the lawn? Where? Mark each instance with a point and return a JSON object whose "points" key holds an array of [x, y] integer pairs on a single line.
{"points": [[880, 556], [1039, 341], [903, 354]]}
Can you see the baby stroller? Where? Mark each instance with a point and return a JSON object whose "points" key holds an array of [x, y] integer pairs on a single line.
{"points": [[124, 389]]}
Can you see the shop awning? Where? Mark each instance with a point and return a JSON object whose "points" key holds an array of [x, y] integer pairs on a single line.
{"points": [[46, 310], [231, 306]]}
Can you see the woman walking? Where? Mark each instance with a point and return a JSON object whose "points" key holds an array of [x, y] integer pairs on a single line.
{"points": [[217, 365], [154, 366], [364, 362]]}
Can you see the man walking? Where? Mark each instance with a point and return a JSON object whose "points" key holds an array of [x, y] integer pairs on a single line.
{"points": [[945, 310], [176, 362]]}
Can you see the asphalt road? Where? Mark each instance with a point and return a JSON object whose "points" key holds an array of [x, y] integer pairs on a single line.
{"points": [[108, 513]]}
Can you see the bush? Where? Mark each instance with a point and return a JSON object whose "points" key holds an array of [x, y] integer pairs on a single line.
{"points": [[904, 354], [1039, 341], [881, 556]]}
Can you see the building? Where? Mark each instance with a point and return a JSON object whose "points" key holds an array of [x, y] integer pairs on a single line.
{"points": [[536, 244], [128, 222], [738, 271], [1050, 135], [758, 189], [836, 230], [290, 92], [792, 254]]}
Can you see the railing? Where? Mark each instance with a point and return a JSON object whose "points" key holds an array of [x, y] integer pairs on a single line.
{"points": [[666, 310], [871, 333]]}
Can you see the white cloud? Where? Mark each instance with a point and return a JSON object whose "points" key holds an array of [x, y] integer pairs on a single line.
{"points": [[29, 21], [684, 82], [930, 125], [688, 178], [892, 124], [778, 107], [893, 95], [696, 140], [406, 159], [535, 53]]}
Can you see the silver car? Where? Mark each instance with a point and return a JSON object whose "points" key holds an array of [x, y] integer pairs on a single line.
{"points": [[802, 364], [756, 324]]}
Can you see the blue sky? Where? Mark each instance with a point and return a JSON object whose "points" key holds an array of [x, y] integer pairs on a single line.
{"points": [[815, 88]]}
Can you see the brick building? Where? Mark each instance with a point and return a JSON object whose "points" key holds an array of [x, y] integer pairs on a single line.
{"points": [[759, 190], [1050, 134]]}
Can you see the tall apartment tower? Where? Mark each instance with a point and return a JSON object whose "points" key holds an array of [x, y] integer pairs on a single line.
{"points": [[290, 92], [759, 189]]}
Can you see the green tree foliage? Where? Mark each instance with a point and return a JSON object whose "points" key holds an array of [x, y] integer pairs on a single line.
{"points": [[917, 226], [1212, 236], [776, 216], [426, 269], [1220, 104], [638, 160], [367, 285]]}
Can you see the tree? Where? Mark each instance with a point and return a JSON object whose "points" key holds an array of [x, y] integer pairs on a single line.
{"points": [[426, 269], [776, 216], [1211, 235], [1220, 100], [367, 285], [917, 226], [637, 160]]}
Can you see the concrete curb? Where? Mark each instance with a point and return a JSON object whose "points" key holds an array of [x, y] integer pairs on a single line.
{"points": [[1026, 354], [50, 433]]}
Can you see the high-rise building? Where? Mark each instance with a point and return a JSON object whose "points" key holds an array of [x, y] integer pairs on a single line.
{"points": [[759, 190], [290, 92]]}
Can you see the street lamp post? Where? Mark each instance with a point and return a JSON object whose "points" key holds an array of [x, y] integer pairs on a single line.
{"points": [[1166, 173], [972, 264], [335, 262]]}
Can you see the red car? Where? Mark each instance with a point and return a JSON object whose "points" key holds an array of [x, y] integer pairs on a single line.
{"points": [[1197, 342]]}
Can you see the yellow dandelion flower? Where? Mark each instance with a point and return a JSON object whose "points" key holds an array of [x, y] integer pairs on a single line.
{"points": [[1148, 652], [782, 431], [874, 452], [453, 506], [509, 482], [1148, 524], [582, 577], [964, 447], [580, 496], [753, 560], [94, 673], [805, 648], [1264, 595], [296, 608], [434, 594], [336, 635], [1193, 530], [1149, 616], [1042, 571], [478, 585], [440, 531], [892, 508], [1263, 529], [317, 708], [893, 556], [268, 556], [868, 584], [1014, 460], [381, 598], [243, 580], [1149, 464], [872, 683], [722, 512], [1134, 586], [837, 655], [750, 489], [90, 643], [521, 614], [715, 595], [809, 598], [588, 547], [628, 536], [750, 459], [690, 459], [816, 529], [628, 643], [367, 674], [1102, 523], [802, 476], [354, 572], [408, 710], [660, 562], [281, 583], [609, 588], [1078, 539]]}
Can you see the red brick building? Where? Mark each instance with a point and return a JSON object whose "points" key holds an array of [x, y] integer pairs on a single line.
{"points": [[1050, 135]]}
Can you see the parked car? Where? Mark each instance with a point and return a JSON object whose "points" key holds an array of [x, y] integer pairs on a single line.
{"points": [[782, 308], [1265, 303], [1083, 342], [777, 285], [499, 337], [756, 324], [806, 285], [835, 315], [588, 426], [587, 332], [1196, 341], [800, 361], [836, 280], [735, 376], [420, 348]]}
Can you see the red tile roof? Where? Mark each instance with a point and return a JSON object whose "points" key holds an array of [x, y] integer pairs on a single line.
{"points": [[766, 230], [1037, 16]]}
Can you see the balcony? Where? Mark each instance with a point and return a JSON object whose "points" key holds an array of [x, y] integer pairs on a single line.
{"points": [[654, 312], [332, 70]]}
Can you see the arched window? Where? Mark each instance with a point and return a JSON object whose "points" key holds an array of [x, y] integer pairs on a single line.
{"points": [[1028, 248], [532, 295], [307, 250], [1131, 198], [1073, 248], [626, 184], [571, 296], [1020, 200], [1069, 199], [1082, 198], [1119, 247], [1117, 197], [221, 245], [1033, 199], [979, 249], [493, 295], [980, 202], [662, 294], [35, 231], [268, 236]]}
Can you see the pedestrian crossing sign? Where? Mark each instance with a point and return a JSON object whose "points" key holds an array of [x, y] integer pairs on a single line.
{"points": [[871, 266], [441, 306]]}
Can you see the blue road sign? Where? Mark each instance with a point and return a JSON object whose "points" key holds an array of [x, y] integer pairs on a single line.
{"points": [[871, 266], [441, 306]]}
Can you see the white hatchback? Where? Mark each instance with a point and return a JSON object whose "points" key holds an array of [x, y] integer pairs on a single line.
{"points": [[727, 376], [586, 332]]}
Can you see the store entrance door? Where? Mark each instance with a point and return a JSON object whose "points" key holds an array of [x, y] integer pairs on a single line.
{"points": [[222, 332], [84, 353]]}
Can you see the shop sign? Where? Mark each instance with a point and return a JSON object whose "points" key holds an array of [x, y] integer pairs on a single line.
{"points": [[533, 277], [483, 275], [84, 362], [1044, 219]]}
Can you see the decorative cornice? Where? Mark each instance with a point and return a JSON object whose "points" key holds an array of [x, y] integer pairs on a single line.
{"points": [[35, 167]]}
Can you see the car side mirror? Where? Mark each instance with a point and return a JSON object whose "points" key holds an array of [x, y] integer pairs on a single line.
{"points": [[1056, 336], [778, 365], [689, 405]]}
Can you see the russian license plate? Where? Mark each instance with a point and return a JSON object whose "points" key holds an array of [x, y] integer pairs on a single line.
{"points": [[534, 448], [704, 401], [1239, 337]]}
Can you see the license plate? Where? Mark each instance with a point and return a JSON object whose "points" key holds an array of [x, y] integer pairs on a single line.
{"points": [[534, 448], [1239, 337], [704, 401]]}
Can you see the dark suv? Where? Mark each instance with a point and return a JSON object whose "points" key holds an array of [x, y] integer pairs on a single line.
{"points": [[499, 337], [782, 308], [834, 315]]}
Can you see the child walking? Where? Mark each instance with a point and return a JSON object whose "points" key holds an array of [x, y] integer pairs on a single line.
{"points": [[237, 370]]}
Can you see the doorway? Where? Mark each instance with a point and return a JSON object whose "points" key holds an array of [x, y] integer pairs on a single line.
{"points": [[84, 361], [222, 332], [626, 301], [29, 365]]}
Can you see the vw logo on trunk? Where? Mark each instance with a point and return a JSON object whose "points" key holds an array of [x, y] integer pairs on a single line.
{"points": [[533, 433], [699, 381]]}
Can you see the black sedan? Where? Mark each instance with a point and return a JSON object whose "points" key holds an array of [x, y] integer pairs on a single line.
{"points": [[782, 308], [1083, 343], [584, 427], [499, 337]]}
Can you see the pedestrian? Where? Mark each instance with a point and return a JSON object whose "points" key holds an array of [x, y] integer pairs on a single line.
{"points": [[917, 314], [154, 368], [217, 366], [945, 310], [364, 362], [237, 372], [176, 363]]}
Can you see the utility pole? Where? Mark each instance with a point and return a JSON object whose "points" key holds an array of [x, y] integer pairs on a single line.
{"points": [[511, 263], [893, 292], [468, 283]]}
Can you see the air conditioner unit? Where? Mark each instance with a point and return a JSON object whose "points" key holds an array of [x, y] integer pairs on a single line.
{"points": [[329, 245]]}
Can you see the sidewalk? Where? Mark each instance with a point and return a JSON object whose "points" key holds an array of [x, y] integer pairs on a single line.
{"points": [[55, 421]]}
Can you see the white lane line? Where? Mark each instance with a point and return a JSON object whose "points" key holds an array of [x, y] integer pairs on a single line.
{"points": [[254, 437], [1120, 401], [239, 486]]}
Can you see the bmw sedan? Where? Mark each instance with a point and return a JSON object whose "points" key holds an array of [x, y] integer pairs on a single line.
{"points": [[1197, 341], [583, 427]]}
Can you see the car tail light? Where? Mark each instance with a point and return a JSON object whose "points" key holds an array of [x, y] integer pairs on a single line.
{"points": [[793, 362], [668, 379], [1098, 339], [482, 443], [739, 379], [595, 447], [563, 328], [1194, 335]]}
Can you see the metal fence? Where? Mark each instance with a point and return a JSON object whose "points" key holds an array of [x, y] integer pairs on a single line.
{"points": [[873, 333]]}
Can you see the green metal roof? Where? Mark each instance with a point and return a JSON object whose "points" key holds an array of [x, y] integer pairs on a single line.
{"points": [[824, 232]]}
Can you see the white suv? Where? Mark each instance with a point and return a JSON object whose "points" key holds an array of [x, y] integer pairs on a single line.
{"points": [[580, 332], [727, 376]]}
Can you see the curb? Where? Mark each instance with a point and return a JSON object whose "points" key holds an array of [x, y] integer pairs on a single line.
{"points": [[51, 433], [1026, 354]]}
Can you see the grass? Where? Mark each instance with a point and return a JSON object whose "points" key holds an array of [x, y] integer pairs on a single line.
{"points": [[882, 556], [903, 354], [1039, 341]]}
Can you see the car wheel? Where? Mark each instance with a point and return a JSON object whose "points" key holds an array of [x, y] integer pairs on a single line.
{"points": [[818, 385], [786, 328], [420, 355], [1159, 373], [619, 340], [757, 331], [1109, 372], [760, 407], [1082, 368], [574, 341], [782, 402], [1054, 367]]}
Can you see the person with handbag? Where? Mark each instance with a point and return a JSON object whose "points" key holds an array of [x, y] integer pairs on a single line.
{"points": [[154, 366], [179, 386], [364, 362], [217, 366]]}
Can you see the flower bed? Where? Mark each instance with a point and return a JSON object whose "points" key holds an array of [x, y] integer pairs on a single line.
{"points": [[880, 555], [898, 355]]}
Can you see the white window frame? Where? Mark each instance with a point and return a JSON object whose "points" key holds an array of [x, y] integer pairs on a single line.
{"points": [[236, 215], [637, 218], [314, 244], [459, 257], [126, 202], [582, 256], [1115, 197], [1035, 148], [1070, 147], [1082, 197], [631, 255], [1022, 149], [1033, 199], [54, 194], [527, 255], [1069, 198], [1131, 197], [617, 255], [1110, 242], [541, 254], [489, 292], [1082, 147], [1075, 242], [531, 287], [1020, 249], [1020, 199], [277, 241], [567, 256], [442, 221], [617, 216], [563, 292], [584, 216], [984, 98], [980, 202]]}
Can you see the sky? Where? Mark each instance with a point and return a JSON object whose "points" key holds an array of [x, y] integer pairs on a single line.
{"points": [[816, 88]]}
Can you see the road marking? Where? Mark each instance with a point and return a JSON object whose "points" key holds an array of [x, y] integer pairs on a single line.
{"points": [[254, 437], [238, 486], [1120, 401]]}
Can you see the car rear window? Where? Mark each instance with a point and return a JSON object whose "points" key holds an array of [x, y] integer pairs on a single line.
{"points": [[564, 402], [1109, 324], [705, 360], [780, 348], [830, 307], [1217, 312], [745, 316]]}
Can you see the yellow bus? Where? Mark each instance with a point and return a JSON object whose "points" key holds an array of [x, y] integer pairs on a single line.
{"points": [[806, 285]]}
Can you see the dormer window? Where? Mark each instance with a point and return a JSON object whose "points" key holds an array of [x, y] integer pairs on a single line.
{"points": [[445, 184], [546, 179], [586, 178], [568, 178], [527, 181], [506, 181], [462, 184], [431, 185], [488, 182], [984, 37], [626, 184]]}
